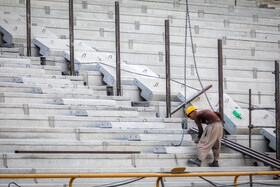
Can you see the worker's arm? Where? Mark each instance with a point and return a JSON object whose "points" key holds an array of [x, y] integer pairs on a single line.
{"points": [[199, 126]]}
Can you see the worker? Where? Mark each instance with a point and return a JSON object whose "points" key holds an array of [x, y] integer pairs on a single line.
{"points": [[210, 138]]}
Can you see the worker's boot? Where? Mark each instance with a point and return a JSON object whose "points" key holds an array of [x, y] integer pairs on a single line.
{"points": [[214, 164], [196, 162]]}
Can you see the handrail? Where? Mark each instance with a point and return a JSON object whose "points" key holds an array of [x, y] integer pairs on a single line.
{"points": [[126, 175]]}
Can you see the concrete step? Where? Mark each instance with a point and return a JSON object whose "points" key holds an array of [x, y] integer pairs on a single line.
{"points": [[132, 127], [92, 133], [33, 60], [82, 112], [259, 143], [166, 137], [137, 45], [182, 12], [53, 70], [73, 121], [259, 98], [202, 59], [14, 52], [45, 89], [138, 8], [34, 98], [92, 108], [74, 79], [13, 160], [64, 134], [83, 33], [99, 127], [48, 81], [231, 83], [169, 6], [16, 61], [158, 57], [159, 137], [229, 71], [12, 145]]}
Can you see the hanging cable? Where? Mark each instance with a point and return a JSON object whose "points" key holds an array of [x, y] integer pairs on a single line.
{"points": [[255, 106], [185, 56], [121, 183], [189, 22], [144, 75], [210, 182], [182, 138], [13, 184], [185, 73]]}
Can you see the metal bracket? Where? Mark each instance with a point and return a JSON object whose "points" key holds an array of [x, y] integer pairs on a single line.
{"points": [[78, 134], [105, 146], [160, 150], [37, 90], [5, 161], [17, 80], [105, 125], [51, 121], [2, 98], [134, 137], [58, 101], [25, 109], [81, 113], [133, 160]]}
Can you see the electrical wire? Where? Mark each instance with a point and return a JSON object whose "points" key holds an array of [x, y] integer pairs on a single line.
{"points": [[246, 183], [13, 184], [185, 74], [253, 105], [185, 55], [139, 178], [210, 182], [195, 65], [150, 76], [183, 84], [238, 184], [124, 182], [182, 138]]}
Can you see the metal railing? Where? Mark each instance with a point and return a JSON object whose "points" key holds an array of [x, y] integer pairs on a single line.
{"points": [[277, 115], [159, 176]]}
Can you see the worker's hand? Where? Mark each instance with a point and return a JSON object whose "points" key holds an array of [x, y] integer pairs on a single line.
{"points": [[196, 140]]}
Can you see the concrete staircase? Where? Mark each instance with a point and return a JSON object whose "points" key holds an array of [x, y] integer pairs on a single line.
{"points": [[43, 110], [38, 117]]}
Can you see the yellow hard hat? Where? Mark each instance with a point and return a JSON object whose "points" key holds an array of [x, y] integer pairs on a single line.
{"points": [[190, 110]]}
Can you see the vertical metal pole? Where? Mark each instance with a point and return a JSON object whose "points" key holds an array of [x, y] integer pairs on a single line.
{"points": [[167, 70], [277, 104], [28, 27], [220, 74], [251, 180], [118, 64], [235, 2], [250, 118], [71, 37], [250, 129]]}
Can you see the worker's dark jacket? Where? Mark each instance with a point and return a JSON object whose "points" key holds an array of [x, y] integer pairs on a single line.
{"points": [[206, 116]]}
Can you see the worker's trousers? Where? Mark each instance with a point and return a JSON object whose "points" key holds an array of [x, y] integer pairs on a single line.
{"points": [[211, 139]]}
